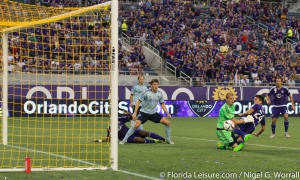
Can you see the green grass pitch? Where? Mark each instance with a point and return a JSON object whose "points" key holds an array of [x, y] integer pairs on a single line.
{"points": [[194, 154]]}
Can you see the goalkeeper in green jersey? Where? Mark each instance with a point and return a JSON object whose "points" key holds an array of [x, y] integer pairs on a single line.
{"points": [[227, 138]]}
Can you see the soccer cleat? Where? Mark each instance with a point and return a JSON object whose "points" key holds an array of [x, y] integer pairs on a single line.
{"points": [[169, 141], [247, 137], [272, 136], [220, 145], [158, 140], [238, 148], [122, 142], [287, 135]]}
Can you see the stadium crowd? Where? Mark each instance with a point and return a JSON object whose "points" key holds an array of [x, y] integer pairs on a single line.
{"points": [[232, 43]]}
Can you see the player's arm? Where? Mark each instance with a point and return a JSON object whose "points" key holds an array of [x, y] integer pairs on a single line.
{"points": [[292, 101], [166, 110], [262, 129], [250, 111], [268, 99], [131, 100], [131, 96], [230, 115], [238, 121], [107, 139]]}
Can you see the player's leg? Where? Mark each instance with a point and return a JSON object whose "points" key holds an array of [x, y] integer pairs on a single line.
{"points": [[144, 134], [274, 116], [244, 131], [138, 112], [227, 141], [286, 124], [138, 140], [141, 119], [144, 140], [167, 123], [132, 121]]}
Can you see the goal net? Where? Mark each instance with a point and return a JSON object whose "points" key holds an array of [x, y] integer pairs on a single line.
{"points": [[59, 84]]}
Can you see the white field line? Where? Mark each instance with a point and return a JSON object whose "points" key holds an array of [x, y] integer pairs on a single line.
{"points": [[55, 155], [139, 175], [85, 162], [261, 145]]}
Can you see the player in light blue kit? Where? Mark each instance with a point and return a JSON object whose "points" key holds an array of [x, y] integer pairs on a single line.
{"points": [[280, 94], [149, 100], [136, 92]]}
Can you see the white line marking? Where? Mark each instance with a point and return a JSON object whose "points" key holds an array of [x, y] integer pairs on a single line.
{"points": [[209, 140], [85, 162], [56, 155], [139, 175]]}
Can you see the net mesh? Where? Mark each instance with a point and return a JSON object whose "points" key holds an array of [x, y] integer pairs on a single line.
{"points": [[58, 85]]}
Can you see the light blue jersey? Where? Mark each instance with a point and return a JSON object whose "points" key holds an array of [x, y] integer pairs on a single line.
{"points": [[136, 92], [149, 101]]}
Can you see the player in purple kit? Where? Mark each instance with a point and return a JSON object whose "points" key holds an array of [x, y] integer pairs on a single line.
{"points": [[257, 112], [139, 136], [280, 94]]}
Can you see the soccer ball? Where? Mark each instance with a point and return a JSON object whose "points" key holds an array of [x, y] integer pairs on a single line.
{"points": [[228, 125]]}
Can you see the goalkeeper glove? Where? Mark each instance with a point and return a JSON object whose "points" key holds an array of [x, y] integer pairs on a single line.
{"points": [[97, 140], [249, 119]]}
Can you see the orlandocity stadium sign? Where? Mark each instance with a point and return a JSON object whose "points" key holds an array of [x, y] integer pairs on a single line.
{"points": [[92, 100]]}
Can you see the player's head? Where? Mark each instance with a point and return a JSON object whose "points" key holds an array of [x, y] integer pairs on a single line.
{"points": [[141, 79], [278, 81], [154, 84], [258, 99], [229, 98]]}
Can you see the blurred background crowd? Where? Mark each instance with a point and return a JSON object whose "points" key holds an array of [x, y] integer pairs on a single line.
{"points": [[225, 42]]}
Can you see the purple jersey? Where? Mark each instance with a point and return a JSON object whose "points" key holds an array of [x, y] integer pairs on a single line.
{"points": [[258, 114], [122, 128], [279, 96]]}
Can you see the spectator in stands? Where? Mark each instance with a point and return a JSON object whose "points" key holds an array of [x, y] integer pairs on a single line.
{"points": [[245, 81], [168, 24], [124, 27], [291, 82], [297, 48], [10, 67], [264, 81], [257, 81]]}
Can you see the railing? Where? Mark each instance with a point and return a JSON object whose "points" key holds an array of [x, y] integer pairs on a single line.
{"points": [[186, 78], [171, 68], [262, 26], [250, 84], [139, 41], [290, 44], [151, 47], [250, 20]]}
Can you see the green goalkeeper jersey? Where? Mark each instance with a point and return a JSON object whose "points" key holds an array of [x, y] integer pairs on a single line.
{"points": [[226, 113]]}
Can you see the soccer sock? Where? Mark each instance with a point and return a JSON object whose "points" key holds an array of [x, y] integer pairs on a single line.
{"points": [[149, 141], [168, 131], [128, 134], [286, 126], [140, 128], [227, 147], [155, 136], [240, 141], [239, 132], [132, 123], [273, 126]]}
